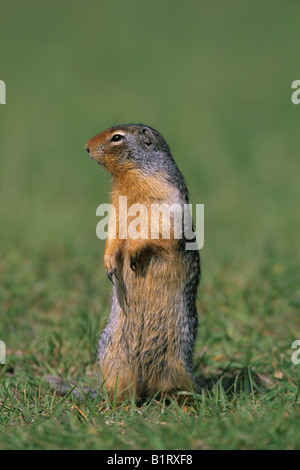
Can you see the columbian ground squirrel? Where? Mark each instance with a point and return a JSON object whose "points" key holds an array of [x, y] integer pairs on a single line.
{"points": [[148, 342]]}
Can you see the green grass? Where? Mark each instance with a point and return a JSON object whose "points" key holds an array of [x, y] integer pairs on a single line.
{"points": [[250, 397], [215, 79]]}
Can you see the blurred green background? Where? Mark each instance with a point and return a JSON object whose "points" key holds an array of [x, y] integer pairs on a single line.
{"points": [[213, 77]]}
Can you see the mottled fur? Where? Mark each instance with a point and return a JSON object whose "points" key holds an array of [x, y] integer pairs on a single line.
{"points": [[148, 342]]}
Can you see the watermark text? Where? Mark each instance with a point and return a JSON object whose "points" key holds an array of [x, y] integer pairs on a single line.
{"points": [[296, 94], [296, 354], [157, 221], [2, 352], [2, 92]]}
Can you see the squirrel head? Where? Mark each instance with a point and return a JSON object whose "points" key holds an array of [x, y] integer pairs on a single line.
{"points": [[127, 147]]}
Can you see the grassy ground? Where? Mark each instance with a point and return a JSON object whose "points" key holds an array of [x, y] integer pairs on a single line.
{"points": [[215, 80], [54, 313]]}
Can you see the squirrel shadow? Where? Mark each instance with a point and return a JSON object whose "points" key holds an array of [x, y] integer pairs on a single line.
{"points": [[233, 381]]}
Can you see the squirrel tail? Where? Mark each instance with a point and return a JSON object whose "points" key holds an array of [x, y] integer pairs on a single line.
{"points": [[65, 388]]}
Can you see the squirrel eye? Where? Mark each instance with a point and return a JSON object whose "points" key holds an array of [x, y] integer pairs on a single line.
{"points": [[116, 138]]}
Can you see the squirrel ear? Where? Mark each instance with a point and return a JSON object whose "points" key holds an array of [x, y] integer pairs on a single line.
{"points": [[148, 137]]}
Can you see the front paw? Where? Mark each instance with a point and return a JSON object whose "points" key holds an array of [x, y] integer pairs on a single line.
{"points": [[134, 260], [136, 255], [111, 273], [111, 265]]}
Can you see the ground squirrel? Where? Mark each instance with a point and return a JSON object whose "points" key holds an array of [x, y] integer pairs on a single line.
{"points": [[148, 342]]}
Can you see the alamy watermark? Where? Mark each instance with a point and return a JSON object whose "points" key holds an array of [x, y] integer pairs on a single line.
{"points": [[296, 354], [295, 95], [2, 92], [156, 221], [2, 352]]}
